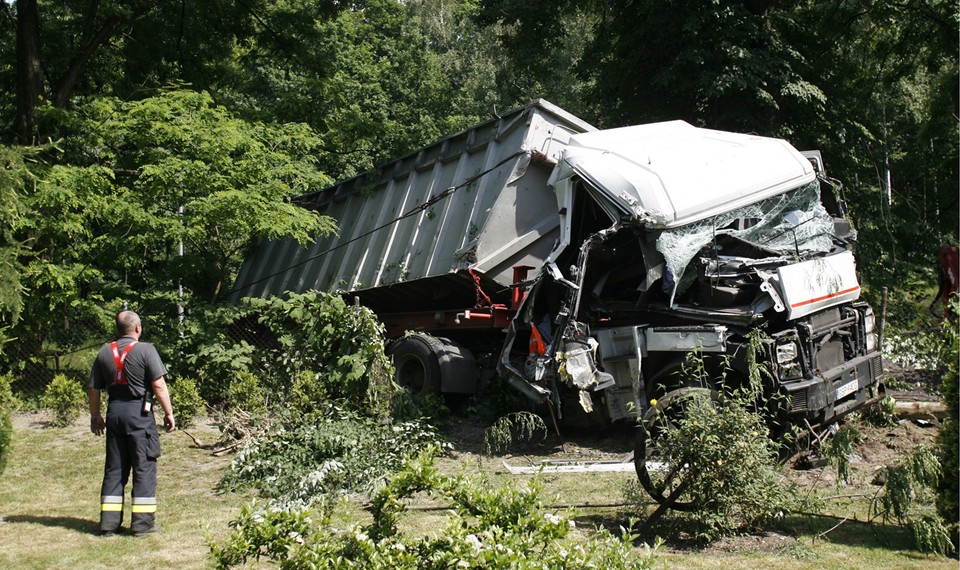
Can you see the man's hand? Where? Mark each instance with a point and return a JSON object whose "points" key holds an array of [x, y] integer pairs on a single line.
{"points": [[169, 422], [97, 425]]}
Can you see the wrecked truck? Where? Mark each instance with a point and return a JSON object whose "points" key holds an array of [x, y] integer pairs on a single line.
{"points": [[586, 266]]}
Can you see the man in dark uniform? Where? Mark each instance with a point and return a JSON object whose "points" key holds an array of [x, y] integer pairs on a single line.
{"points": [[132, 374]]}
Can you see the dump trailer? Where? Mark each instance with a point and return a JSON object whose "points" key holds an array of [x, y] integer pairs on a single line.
{"points": [[589, 268]]}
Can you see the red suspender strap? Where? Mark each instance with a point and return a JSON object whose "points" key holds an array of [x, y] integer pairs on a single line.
{"points": [[119, 358]]}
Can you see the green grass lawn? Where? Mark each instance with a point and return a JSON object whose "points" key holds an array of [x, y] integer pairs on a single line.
{"points": [[49, 500], [49, 503]]}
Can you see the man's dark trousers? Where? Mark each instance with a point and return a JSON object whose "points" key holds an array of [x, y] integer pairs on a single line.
{"points": [[132, 444]]}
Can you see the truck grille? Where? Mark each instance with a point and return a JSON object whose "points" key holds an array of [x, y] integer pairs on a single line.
{"points": [[798, 401], [830, 356]]}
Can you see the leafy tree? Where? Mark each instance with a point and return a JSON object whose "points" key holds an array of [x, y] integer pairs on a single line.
{"points": [[136, 180], [53, 72], [13, 181], [364, 79], [137, 164], [889, 128], [540, 49]]}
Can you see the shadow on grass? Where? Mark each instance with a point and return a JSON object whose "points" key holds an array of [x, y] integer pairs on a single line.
{"points": [[679, 532], [85, 526]]}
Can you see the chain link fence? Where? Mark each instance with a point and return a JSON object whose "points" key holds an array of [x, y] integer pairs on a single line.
{"points": [[71, 349]]}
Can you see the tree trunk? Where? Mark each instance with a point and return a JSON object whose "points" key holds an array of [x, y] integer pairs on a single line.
{"points": [[29, 79]]}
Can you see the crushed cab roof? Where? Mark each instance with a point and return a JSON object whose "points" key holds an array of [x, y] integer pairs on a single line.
{"points": [[670, 174]]}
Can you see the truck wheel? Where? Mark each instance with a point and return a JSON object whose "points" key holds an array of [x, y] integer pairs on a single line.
{"points": [[418, 368], [664, 476]]}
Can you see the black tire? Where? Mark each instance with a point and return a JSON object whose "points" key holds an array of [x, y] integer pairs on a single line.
{"points": [[665, 483], [416, 363]]}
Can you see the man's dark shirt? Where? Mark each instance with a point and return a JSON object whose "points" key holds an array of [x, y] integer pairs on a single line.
{"points": [[141, 367]]}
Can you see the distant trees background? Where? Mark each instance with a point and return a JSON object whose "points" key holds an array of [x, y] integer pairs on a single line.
{"points": [[129, 127]]}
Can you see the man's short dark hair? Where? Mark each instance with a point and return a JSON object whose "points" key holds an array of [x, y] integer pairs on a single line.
{"points": [[127, 321]]}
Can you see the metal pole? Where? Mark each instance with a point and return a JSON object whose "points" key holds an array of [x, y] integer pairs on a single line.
{"points": [[180, 282]]}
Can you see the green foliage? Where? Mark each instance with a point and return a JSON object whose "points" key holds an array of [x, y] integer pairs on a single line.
{"points": [[838, 448], [341, 345], [948, 439], [13, 181], [907, 496], [925, 348], [186, 400], [728, 464], [488, 526], [515, 426], [333, 450], [8, 404], [496, 399], [405, 405], [261, 531], [208, 352], [882, 414], [245, 393], [306, 393], [176, 168], [932, 536], [65, 398]]}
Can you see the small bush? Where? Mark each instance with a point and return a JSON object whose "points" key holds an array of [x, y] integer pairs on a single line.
{"points": [[187, 403], [244, 392], [341, 345], [516, 426], [716, 445], [65, 398], [883, 413], [837, 451], [488, 526], [730, 468], [307, 392], [207, 353]]}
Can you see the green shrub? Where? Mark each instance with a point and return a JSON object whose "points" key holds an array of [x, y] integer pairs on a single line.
{"points": [[306, 456], [8, 405], [207, 353], [883, 413], [948, 439], [65, 397], [244, 392], [907, 496], [307, 392], [515, 426], [729, 465], [304, 349], [488, 526], [341, 345], [187, 403], [715, 443]]}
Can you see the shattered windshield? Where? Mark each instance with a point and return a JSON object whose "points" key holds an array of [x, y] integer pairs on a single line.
{"points": [[790, 223]]}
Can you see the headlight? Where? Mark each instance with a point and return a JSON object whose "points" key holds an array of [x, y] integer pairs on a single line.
{"points": [[869, 328], [869, 321], [787, 352]]}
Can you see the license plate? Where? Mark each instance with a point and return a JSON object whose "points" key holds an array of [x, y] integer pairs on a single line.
{"points": [[846, 389]]}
